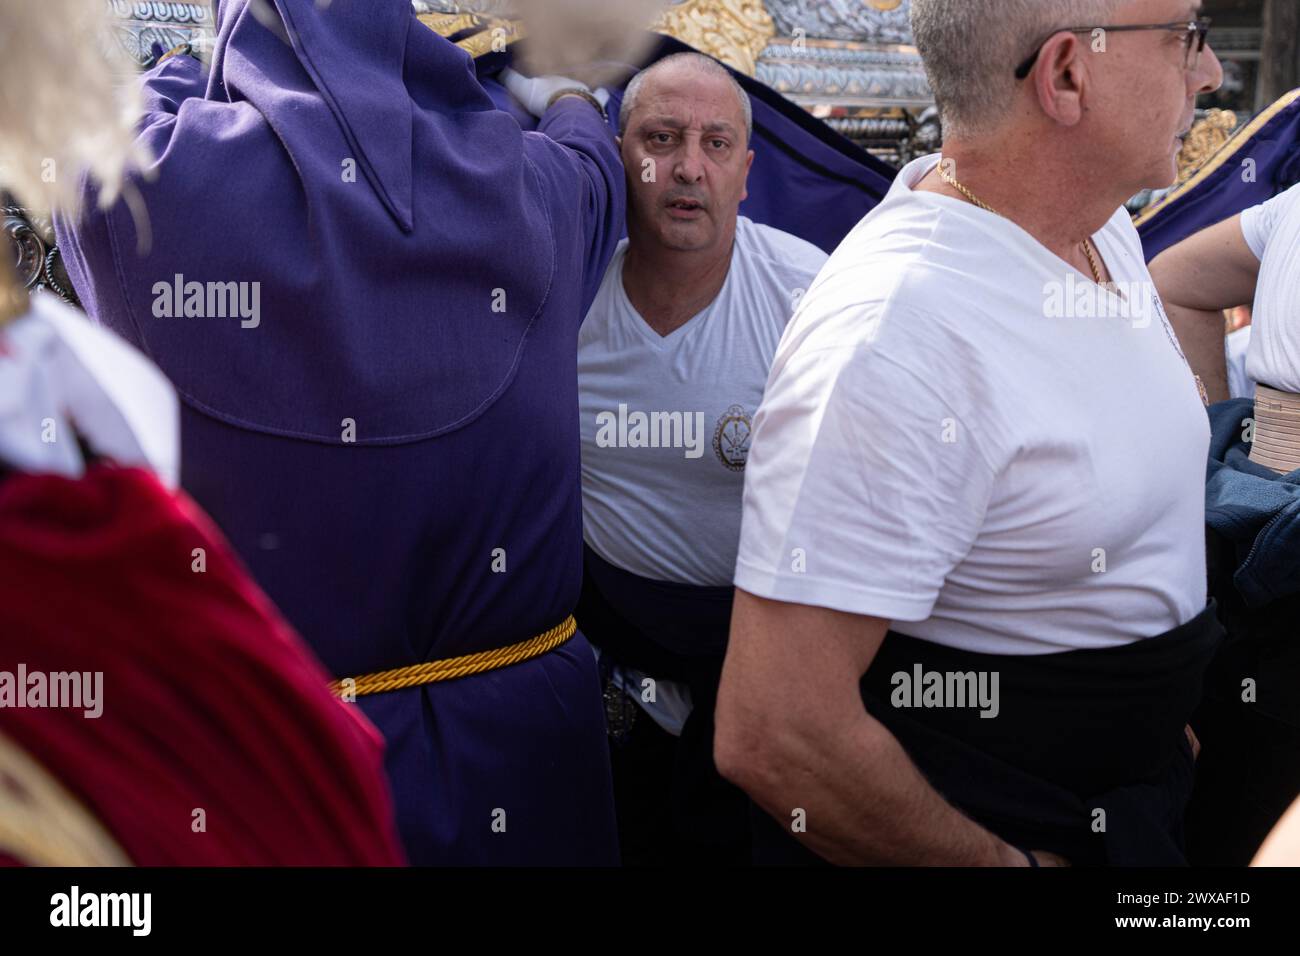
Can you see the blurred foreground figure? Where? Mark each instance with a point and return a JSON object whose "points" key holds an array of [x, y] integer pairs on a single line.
{"points": [[1282, 848], [971, 617], [142, 667], [591, 38], [154, 708], [366, 284], [85, 120]]}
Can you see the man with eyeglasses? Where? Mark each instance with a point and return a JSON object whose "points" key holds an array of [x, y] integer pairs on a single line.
{"points": [[971, 617]]}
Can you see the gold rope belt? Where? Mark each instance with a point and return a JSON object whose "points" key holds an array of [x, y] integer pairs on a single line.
{"points": [[454, 667]]}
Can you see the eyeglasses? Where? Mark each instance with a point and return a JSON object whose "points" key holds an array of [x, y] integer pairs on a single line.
{"points": [[1195, 33]]}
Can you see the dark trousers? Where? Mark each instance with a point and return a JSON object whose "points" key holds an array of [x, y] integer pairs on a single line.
{"points": [[1249, 770], [1247, 776], [658, 824], [673, 806]]}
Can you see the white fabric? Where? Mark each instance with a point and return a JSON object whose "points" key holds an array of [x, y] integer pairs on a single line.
{"points": [[58, 370], [673, 513], [1272, 230], [935, 450], [1236, 349]]}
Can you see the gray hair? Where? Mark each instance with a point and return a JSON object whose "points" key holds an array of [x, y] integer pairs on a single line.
{"points": [[971, 49], [697, 61]]}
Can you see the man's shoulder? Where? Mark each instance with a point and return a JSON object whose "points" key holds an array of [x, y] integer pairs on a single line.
{"points": [[782, 250], [910, 278], [898, 257], [1289, 196], [1284, 207]]}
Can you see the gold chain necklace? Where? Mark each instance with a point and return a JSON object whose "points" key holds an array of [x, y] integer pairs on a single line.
{"points": [[1086, 245], [1092, 262]]}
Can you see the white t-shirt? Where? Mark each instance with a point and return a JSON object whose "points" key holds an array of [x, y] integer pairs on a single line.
{"points": [[1272, 230], [666, 420], [936, 449]]}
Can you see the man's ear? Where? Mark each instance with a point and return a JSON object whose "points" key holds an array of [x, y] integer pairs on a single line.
{"points": [[749, 165], [1061, 78]]}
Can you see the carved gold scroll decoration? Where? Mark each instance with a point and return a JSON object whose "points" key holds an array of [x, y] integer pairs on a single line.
{"points": [[494, 34], [449, 24], [499, 35], [1230, 150], [1206, 138], [734, 31]]}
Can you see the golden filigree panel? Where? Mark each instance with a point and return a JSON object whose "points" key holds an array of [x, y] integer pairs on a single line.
{"points": [[449, 24], [494, 36], [1207, 137], [734, 31]]}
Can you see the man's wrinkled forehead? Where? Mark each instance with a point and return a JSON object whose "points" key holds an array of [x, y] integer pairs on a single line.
{"points": [[678, 98]]}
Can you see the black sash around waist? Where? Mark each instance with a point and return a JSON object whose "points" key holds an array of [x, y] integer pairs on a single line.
{"points": [[670, 631], [674, 632], [1087, 756]]}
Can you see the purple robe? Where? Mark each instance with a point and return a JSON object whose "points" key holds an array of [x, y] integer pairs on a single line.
{"points": [[384, 423]]}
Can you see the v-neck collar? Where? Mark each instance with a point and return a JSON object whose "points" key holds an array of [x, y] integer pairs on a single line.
{"points": [[644, 329]]}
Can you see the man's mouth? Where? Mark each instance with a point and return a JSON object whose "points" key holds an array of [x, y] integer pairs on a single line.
{"points": [[685, 208]]}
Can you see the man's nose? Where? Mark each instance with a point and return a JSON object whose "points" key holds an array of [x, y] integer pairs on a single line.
{"points": [[1209, 71], [690, 166]]}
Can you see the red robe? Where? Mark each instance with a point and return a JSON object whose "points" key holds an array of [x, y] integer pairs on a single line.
{"points": [[210, 702]]}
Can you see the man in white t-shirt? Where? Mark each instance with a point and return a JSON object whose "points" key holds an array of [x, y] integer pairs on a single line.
{"points": [[672, 359], [1251, 257], [971, 618]]}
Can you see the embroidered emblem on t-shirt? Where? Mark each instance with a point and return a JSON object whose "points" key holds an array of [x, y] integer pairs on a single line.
{"points": [[732, 437]]}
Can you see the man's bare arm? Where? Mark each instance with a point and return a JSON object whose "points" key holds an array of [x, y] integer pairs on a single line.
{"points": [[792, 732], [1199, 278]]}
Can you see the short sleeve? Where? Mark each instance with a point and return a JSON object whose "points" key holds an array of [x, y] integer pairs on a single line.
{"points": [[864, 488], [1259, 222]]}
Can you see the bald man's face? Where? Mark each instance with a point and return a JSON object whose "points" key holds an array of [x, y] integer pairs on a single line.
{"points": [[687, 161]]}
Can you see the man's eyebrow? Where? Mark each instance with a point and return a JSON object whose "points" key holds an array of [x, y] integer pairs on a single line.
{"points": [[719, 126], [668, 121]]}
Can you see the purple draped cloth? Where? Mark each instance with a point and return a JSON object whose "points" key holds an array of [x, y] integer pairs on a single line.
{"points": [[387, 429]]}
